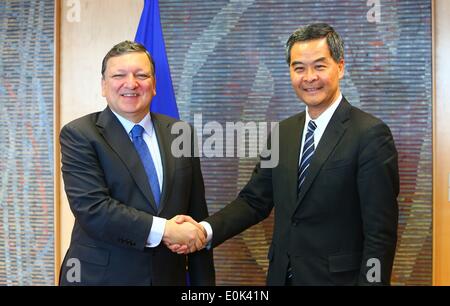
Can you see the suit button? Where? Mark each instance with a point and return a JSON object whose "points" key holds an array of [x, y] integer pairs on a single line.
{"points": [[295, 222]]}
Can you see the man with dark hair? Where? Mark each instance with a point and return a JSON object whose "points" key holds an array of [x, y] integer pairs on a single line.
{"points": [[335, 187], [124, 186]]}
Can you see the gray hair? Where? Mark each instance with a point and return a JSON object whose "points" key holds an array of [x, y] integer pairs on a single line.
{"points": [[125, 47], [317, 31]]}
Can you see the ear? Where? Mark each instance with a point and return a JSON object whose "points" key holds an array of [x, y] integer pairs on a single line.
{"points": [[341, 68], [154, 85]]}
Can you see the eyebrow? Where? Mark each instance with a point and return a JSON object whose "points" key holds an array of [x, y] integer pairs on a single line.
{"points": [[320, 59], [125, 71]]}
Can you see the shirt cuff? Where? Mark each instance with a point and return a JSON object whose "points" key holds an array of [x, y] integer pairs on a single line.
{"points": [[156, 232], [209, 233]]}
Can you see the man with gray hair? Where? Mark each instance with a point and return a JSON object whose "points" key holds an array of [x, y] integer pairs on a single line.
{"points": [[124, 186], [335, 187]]}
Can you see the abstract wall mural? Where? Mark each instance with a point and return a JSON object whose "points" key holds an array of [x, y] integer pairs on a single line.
{"points": [[26, 142]]}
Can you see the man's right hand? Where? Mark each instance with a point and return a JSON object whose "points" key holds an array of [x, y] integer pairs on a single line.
{"points": [[184, 235]]}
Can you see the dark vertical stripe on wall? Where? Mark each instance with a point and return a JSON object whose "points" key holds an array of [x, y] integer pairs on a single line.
{"points": [[26, 142], [227, 62]]}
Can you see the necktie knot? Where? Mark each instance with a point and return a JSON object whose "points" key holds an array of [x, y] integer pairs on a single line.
{"points": [[311, 126], [137, 131]]}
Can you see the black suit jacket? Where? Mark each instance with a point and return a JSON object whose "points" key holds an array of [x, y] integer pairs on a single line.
{"points": [[345, 214], [113, 205]]}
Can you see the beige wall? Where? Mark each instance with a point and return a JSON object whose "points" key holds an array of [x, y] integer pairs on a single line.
{"points": [[441, 152], [83, 44]]}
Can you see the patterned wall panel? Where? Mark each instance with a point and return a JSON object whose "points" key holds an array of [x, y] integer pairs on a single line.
{"points": [[26, 142], [227, 63]]}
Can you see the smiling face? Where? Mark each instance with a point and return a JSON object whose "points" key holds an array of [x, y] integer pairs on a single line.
{"points": [[129, 85], [315, 75]]}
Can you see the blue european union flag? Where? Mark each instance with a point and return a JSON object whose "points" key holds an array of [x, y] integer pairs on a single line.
{"points": [[149, 33]]}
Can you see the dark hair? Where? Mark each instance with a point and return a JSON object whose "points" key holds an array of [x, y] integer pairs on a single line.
{"points": [[123, 48], [317, 31]]}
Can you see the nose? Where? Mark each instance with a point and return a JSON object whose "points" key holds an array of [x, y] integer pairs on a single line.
{"points": [[130, 81], [310, 75]]}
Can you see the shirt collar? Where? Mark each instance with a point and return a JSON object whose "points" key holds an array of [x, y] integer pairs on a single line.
{"points": [[146, 123], [325, 117]]}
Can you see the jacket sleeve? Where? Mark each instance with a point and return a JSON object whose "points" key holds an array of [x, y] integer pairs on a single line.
{"points": [[253, 204], [378, 187]]}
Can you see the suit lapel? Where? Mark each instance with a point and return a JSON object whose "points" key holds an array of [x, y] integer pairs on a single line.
{"points": [[292, 151], [116, 136], [162, 130], [330, 138]]}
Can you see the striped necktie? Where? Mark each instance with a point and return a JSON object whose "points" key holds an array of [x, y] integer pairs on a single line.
{"points": [[307, 153]]}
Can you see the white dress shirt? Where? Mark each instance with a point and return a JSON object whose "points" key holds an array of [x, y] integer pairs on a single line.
{"points": [[321, 122], [149, 136]]}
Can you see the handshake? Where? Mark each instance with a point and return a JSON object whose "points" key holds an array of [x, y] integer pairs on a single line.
{"points": [[184, 235]]}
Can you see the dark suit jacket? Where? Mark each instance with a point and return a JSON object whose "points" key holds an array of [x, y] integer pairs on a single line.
{"points": [[113, 205], [345, 214]]}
